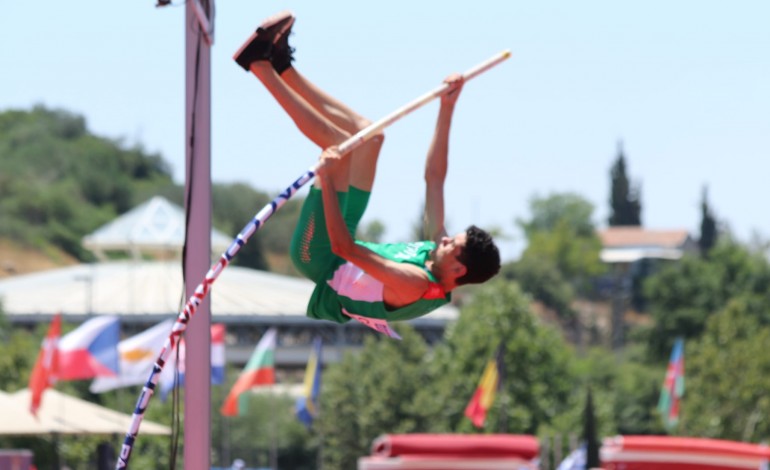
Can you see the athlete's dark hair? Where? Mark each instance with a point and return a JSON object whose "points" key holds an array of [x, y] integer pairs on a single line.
{"points": [[480, 256]]}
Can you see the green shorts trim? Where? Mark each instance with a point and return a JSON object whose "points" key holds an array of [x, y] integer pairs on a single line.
{"points": [[311, 250]]}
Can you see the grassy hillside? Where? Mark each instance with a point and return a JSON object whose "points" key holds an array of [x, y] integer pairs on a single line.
{"points": [[17, 259], [59, 182]]}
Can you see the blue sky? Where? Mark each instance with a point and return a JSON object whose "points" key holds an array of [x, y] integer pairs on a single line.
{"points": [[684, 86]]}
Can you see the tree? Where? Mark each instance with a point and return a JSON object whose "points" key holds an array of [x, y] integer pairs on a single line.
{"points": [[625, 200], [537, 378], [624, 392], [708, 226], [268, 425], [372, 232], [562, 231], [727, 371], [683, 295], [559, 208], [233, 206], [562, 253], [18, 351], [541, 278], [58, 181], [370, 393], [589, 433], [399, 386]]}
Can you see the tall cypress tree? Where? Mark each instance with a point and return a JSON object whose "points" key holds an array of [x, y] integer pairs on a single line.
{"points": [[708, 226], [624, 199], [590, 434]]}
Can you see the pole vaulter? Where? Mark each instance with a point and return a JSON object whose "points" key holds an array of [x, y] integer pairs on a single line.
{"points": [[255, 224]]}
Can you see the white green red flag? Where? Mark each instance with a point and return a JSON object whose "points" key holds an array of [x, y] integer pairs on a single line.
{"points": [[260, 370]]}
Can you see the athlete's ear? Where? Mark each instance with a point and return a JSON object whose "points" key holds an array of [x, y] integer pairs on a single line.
{"points": [[460, 270]]}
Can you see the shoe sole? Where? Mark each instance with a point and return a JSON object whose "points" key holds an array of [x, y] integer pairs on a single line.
{"points": [[277, 18], [268, 23]]}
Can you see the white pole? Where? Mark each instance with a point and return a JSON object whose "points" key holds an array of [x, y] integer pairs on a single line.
{"points": [[365, 134]]}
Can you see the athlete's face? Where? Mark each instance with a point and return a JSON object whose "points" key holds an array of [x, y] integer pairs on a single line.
{"points": [[448, 252]]}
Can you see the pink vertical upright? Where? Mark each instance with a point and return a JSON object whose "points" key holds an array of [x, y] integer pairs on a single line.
{"points": [[197, 256]]}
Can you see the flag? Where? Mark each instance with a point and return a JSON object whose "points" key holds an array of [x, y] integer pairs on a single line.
{"points": [[307, 405], [169, 377], [673, 386], [91, 350], [43, 374], [137, 356], [576, 460], [217, 354], [260, 370], [485, 392]]}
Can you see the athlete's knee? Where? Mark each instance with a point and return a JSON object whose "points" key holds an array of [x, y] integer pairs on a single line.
{"points": [[378, 138], [364, 123]]}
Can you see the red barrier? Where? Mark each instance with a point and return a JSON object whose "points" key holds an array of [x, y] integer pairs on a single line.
{"points": [[457, 445], [680, 453]]}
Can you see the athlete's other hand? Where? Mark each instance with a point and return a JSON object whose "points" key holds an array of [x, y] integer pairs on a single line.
{"points": [[455, 82], [329, 162]]}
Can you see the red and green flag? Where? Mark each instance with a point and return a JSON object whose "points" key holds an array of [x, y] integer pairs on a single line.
{"points": [[673, 387], [260, 370]]}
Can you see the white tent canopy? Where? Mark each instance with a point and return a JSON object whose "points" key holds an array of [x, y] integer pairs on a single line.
{"points": [[156, 225], [17, 420], [64, 414]]}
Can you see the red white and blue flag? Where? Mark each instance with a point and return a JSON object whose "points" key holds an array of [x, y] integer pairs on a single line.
{"points": [[167, 377], [673, 387], [217, 354], [91, 350]]}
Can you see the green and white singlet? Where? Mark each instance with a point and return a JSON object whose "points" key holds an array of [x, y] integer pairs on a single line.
{"points": [[343, 290], [348, 290]]}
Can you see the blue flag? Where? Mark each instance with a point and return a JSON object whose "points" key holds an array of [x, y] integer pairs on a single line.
{"points": [[307, 405]]}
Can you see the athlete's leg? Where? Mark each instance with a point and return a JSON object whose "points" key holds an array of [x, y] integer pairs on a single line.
{"points": [[330, 107], [363, 164], [255, 55], [322, 131], [323, 119], [364, 159]]}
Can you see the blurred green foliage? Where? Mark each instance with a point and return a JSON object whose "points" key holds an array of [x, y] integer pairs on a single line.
{"points": [[59, 182]]}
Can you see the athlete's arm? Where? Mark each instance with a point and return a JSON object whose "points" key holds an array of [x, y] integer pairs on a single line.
{"points": [[410, 281], [436, 161]]}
